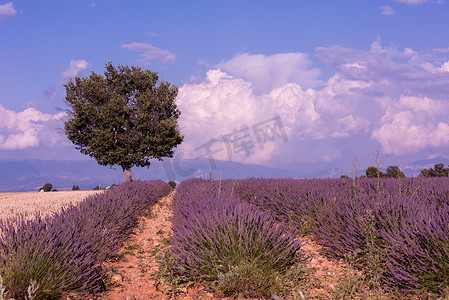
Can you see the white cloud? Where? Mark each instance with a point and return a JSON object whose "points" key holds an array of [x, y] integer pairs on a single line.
{"points": [[412, 2], [398, 96], [215, 107], [222, 105], [390, 72], [26, 129], [383, 95], [423, 104], [445, 67], [401, 134], [7, 10], [290, 100], [355, 65], [387, 11], [225, 108], [350, 125], [149, 53], [273, 71], [75, 68], [412, 124]]}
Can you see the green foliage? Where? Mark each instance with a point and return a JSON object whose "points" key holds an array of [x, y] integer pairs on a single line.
{"points": [[394, 172], [32, 288], [46, 188], [97, 188], [373, 172], [172, 184], [247, 279], [125, 117], [391, 172], [250, 280], [438, 170], [75, 188]]}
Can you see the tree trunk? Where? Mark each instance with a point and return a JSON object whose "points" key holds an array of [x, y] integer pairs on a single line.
{"points": [[127, 177]]}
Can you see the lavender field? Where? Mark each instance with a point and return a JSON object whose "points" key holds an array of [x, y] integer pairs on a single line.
{"points": [[243, 237], [396, 229]]}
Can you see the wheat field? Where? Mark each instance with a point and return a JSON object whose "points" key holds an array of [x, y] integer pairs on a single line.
{"points": [[29, 203]]}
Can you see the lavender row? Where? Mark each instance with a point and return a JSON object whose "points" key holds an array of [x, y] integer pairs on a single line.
{"points": [[396, 228], [64, 252], [217, 238]]}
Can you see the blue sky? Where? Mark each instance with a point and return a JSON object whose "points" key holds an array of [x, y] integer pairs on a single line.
{"points": [[259, 81]]}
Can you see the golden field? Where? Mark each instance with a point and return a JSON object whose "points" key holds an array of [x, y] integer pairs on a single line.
{"points": [[27, 204]]}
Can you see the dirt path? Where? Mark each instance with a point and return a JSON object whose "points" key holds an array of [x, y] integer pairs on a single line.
{"points": [[132, 277]]}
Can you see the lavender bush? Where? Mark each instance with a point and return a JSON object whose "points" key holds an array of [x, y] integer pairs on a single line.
{"points": [[418, 248], [64, 252], [235, 245]]}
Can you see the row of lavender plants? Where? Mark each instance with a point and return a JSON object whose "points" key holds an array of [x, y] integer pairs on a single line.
{"points": [[235, 247], [64, 252], [396, 228]]}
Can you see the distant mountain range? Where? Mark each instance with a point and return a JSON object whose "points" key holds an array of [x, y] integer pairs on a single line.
{"points": [[426, 163], [30, 175]]}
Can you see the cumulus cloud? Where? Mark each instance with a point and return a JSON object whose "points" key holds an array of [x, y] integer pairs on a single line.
{"points": [[7, 10], [422, 105], [411, 124], [273, 71], [75, 68], [401, 134], [216, 107], [445, 67], [389, 71], [149, 53], [349, 125], [395, 98], [26, 129], [222, 112], [409, 87], [387, 11]]}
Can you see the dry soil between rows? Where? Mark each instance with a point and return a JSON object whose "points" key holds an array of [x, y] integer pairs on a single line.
{"points": [[132, 276]]}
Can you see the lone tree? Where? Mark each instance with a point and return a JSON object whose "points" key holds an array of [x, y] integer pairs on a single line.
{"points": [[373, 172], [124, 118], [46, 187]]}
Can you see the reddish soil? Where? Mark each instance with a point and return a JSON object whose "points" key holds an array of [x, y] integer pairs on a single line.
{"points": [[132, 275]]}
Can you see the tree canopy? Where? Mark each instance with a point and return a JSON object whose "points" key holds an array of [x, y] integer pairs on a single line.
{"points": [[125, 118], [438, 170], [373, 172], [394, 172], [391, 172]]}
